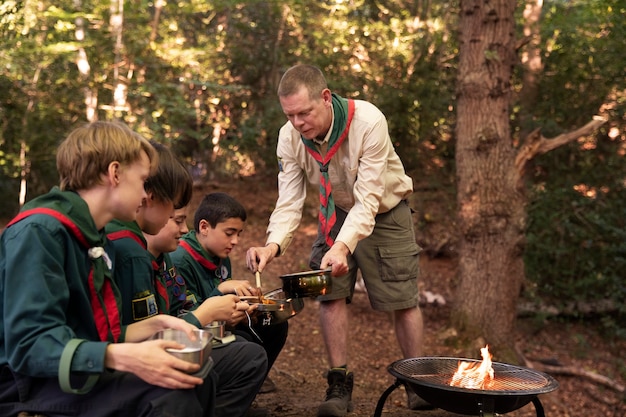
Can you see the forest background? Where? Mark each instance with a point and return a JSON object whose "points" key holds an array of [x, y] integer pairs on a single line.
{"points": [[201, 76]]}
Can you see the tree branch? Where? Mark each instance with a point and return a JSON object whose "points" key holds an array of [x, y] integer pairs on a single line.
{"points": [[535, 144], [571, 370]]}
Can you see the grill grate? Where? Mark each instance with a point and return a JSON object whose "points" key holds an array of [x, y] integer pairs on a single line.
{"points": [[438, 372], [429, 377]]}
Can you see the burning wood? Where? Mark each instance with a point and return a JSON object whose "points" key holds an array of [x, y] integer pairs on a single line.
{"points": [[474, 375]]}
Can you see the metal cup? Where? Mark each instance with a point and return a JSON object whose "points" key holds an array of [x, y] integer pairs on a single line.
{"points": [[216, 328]]}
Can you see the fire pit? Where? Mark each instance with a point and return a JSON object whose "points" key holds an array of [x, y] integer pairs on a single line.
{"points": [[512, 387]]}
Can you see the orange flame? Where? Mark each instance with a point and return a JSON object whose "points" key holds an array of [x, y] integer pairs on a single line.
{"points": [[474, 375]]}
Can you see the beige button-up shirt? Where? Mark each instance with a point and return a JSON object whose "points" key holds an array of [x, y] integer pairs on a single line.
{"points": [[366, 175]]}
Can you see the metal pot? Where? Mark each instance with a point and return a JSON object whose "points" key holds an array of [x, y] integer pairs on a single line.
{"points": [[276, 307], [307, 284]]}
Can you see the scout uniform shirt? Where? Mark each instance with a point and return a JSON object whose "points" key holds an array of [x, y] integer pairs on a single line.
{"points": [[45, 277], [201, 271], [149, 286]]}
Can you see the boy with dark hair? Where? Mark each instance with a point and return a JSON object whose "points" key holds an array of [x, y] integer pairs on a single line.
{"points": [[60, 335], [150, 285], [202, 260]]}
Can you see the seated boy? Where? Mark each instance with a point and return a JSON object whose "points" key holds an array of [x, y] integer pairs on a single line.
{"points": [[202, 260], [150, 286], [60, 330]]}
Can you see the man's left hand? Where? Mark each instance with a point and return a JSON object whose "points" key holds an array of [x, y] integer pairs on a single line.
{"points": [[337, 259]]}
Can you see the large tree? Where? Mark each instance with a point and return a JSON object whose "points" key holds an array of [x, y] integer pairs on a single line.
{"points": [[490, 192]]}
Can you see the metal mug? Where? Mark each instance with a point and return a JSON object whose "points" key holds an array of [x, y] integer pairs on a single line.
{"points": [[217, 328]]}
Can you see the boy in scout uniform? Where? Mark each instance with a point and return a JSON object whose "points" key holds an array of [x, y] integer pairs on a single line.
{"points": [[202, 258], [63, 348], [151, 287]]}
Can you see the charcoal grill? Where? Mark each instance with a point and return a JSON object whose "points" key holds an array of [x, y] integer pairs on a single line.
{"points": [[511, 388]]}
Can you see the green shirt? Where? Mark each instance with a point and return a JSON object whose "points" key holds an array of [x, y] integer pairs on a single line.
{"points": [[45, 289], [202, 272], [148, 285]]}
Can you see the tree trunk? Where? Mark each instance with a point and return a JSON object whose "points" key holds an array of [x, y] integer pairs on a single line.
{"points": [[116, 21], [491, 205], [532, 66], [82, 63]]}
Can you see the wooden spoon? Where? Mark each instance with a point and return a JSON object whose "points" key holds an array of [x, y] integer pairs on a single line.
{"points": [[258, 285]]}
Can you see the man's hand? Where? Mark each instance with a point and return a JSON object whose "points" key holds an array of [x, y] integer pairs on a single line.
{"points": [[258, 257], [337, 259]]}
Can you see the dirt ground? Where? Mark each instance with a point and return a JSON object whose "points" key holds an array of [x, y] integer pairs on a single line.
{"points": [[298, 372]]}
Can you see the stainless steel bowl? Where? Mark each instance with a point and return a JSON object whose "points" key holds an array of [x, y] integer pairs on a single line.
{"points": [[195, 351], [307, 284], [276, 307]]}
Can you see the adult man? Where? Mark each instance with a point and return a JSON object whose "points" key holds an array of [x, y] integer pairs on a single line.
{"points": [[365, 223]]}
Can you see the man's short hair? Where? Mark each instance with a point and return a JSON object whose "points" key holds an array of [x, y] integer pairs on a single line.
{"points": [[302, 75]]}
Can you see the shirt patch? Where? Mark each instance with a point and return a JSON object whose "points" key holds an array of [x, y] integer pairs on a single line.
{"points": [[190, 302], [175, 283], [223, 273], [144, 306]]}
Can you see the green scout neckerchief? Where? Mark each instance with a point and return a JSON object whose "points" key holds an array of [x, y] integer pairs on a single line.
{"points": [[343, 110], [72, 211]]}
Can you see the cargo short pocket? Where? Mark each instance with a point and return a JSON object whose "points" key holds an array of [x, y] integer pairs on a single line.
{"points": [[398, 263]]}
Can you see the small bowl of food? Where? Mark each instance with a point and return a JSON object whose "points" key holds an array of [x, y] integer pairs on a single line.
{"points": [[275, 307]]}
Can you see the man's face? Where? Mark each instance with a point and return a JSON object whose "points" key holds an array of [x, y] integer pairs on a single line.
{"points": [[310, 116], [167, 239], [221, 240]]}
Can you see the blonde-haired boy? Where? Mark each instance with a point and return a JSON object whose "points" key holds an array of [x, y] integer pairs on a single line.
{"points": [[60, 331]]}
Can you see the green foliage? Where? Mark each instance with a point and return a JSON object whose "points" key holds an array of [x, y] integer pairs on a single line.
{"points": [[576, 237], [576, 249], [581, 66], [577, 246], [201, 76]]}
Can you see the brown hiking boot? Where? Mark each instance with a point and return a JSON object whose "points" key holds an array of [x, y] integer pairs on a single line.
{"points": [[338, 400]]}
